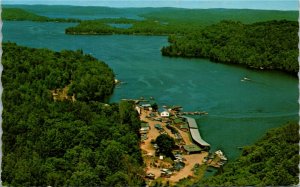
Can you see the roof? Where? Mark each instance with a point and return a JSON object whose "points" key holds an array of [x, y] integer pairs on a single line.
{"points": [[192, 148], [197, 137], [195, 131], [192, 122]]}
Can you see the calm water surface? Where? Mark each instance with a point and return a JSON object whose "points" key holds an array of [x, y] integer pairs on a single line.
{"points": [[240, 112]]}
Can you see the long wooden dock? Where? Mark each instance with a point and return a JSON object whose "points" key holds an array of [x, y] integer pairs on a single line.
{"points": [[195, 133], [194, 113]]}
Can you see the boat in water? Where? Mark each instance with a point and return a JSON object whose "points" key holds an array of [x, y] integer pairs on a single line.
{"points": [[245, 79]]}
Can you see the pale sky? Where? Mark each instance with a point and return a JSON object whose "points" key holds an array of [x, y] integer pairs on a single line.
{"points": [[250, 4]]}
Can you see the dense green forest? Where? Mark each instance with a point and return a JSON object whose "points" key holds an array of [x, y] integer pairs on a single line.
{"points": [[163, 22], [18, 14], [142, 27], [207, 17], [65, 143], [264, 45], [272, 161]]}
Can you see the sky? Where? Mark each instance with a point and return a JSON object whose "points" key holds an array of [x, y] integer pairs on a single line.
{"points": [[249, 4]]}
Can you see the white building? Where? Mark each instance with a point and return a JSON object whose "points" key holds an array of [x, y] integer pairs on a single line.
{"points": [[165, 114]]}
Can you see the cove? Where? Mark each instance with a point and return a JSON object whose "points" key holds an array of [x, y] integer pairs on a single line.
{"points": [[240, 112]]}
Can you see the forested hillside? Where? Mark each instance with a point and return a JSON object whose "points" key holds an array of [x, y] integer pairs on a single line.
{"points": [[207, 17], [166, 21], [144, 27], [263, 45], [18, 14], [272, 161], [65, 143]]}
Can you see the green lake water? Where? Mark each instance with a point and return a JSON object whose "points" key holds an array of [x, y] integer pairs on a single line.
{"points": [[240, 112]]}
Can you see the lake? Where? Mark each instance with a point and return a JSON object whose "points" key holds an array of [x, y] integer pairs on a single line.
{"points": [[240, 112]]}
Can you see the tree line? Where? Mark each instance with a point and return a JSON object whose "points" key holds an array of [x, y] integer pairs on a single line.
{"points": [[65, 143], [139, 27], [261, 45], [18, 14]]}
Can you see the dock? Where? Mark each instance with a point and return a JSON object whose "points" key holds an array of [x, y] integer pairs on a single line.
{"points": [[194, 113], [136, 101], [195, 132]]}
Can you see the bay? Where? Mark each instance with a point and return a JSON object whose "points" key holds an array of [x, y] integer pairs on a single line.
{"points": [[240, 111]]}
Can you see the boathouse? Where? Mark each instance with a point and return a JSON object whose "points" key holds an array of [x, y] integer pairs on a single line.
{"points": [[197, 138], [191, 122], [195, 132]]}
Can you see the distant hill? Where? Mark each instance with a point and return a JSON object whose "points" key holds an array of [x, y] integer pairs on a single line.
{"points": [[202, 16], [211, 16], [166, 21], [18, 14]]}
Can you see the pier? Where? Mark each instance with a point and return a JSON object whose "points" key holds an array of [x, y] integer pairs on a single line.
{"points": [[194, 113]]}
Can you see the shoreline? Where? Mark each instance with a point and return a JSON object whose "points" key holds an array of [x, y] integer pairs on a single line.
{"points": [[196, 161]]}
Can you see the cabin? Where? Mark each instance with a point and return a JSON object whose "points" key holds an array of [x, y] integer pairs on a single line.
{"points": [[197, 139]]}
